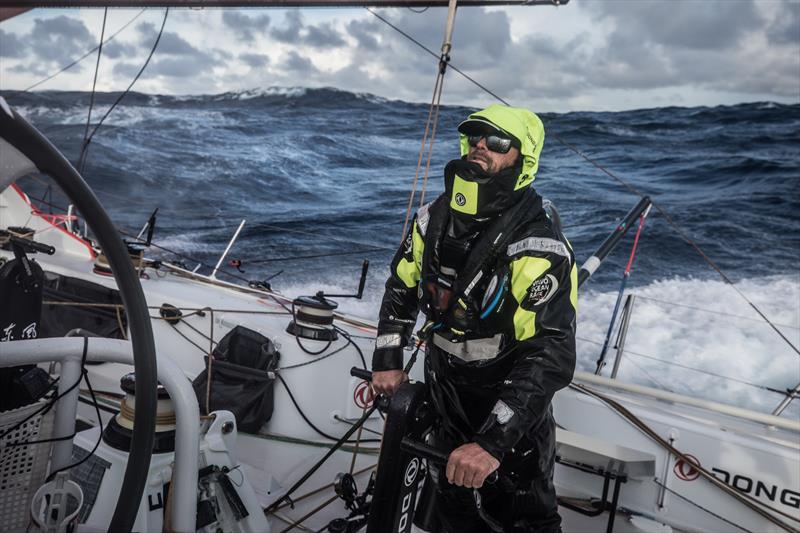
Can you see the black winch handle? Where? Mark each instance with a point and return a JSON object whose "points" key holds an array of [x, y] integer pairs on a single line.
{"points": [[436, 455], [32, 246], [357, 372], [382, 400]]}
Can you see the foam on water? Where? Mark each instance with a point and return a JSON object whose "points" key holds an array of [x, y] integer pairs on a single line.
{"points": [[706, 325]]}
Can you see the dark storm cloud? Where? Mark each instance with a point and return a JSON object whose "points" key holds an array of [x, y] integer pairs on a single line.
{"points": [[175, 56], [710, 24], [364, 32], [323, 36], [125, 70], [298, 64], [385, 58], [173, 44], [294, 31], [481, 38], [60, 39], [708, 45], [118, 49], [177, 67], [255, 60], [289, 31], [11, 45], [646, 45], [786, 28], [244, 27], [23, 68]]}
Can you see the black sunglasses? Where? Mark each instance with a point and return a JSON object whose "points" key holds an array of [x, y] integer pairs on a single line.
{"points": [[494, 142]]}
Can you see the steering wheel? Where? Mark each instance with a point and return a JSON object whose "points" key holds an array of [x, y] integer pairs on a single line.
{"points": [[23, 149]]}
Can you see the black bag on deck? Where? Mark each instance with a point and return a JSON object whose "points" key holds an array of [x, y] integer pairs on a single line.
{"points": [[242, 381], [20, 311]]}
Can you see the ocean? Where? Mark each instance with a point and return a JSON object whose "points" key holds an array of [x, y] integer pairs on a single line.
{"points": [[322, 178]]}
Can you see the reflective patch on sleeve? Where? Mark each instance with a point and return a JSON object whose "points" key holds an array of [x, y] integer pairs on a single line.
{"points": [[390, 340], [408, 269], [539, 244], [502, 412], [423, 217]]}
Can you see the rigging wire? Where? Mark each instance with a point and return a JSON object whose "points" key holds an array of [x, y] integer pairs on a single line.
{"points": [[85, 142], [84, 56], [712, 312], [673, 363], [679, 230], [695, 504], [135, 79], [431, 123], [434, 54]]}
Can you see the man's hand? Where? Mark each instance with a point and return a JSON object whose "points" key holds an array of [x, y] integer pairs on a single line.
{"points": [[387, 381], [469, 465]]}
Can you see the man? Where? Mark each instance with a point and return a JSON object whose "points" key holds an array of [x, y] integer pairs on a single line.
{"points": [[497, 283]]}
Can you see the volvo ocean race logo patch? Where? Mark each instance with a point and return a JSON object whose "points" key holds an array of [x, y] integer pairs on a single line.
{"points": [[541, 290], [460, 199]]}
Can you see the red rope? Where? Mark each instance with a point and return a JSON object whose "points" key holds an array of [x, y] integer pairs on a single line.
{"points": [[636, 241]]}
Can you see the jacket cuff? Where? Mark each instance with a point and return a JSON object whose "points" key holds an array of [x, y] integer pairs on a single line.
{"points": [[387, 359], [489, 446], [501, 430]]}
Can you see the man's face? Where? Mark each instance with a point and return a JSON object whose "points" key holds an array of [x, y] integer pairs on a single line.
{"points": [[491, 162]]}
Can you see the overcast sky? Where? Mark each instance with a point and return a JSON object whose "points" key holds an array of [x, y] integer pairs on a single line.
{"points": [[587, 55]]}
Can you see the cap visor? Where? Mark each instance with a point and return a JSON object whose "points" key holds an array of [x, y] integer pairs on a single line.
{"points": [[475, 126]]}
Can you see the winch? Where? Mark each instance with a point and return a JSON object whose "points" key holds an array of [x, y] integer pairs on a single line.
{"points": [[312, 318], [119, 430]]}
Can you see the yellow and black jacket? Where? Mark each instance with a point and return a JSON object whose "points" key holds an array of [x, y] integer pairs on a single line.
{"points": [[505, 343]]}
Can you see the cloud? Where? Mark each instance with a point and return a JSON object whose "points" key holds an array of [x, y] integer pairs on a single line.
{"points": [[710, 45], [364, 32], [177, 67], [60, 39], [323, 36], [173, 44], [785, 29], [118, 49], [125, 70], [706, 25], [175, 57], [294, 31], [11, 45], [245, 27], [289, 31], [298, 64], [254, 60]]}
